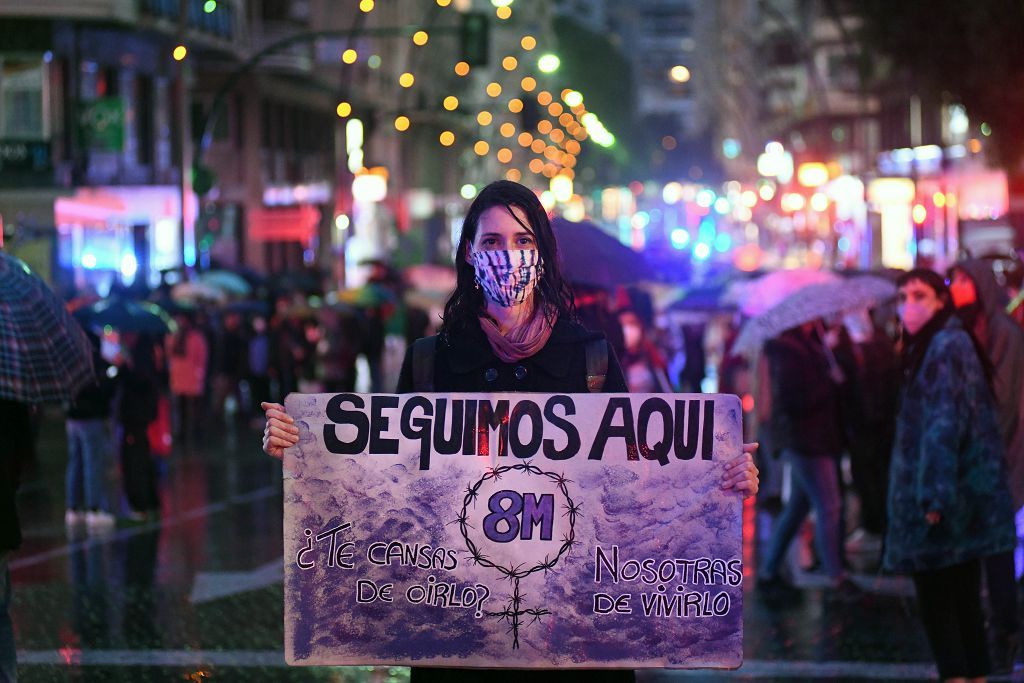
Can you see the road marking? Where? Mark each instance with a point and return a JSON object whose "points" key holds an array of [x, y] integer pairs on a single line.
{"points": [[209, 586]]}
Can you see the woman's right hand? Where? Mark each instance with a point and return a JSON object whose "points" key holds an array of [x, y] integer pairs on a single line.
{"points": [[280, 432]]}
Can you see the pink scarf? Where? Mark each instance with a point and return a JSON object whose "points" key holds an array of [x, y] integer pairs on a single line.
{"points": [[520, 342]]}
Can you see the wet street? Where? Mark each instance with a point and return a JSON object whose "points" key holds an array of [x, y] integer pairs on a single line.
{"points": [[197, 595]]}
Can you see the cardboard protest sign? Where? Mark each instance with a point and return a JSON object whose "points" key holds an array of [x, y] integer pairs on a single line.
{"points": [[513, 530]]}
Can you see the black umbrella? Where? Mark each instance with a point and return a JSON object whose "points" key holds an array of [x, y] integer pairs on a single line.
{"points": [[125, 315], [592, 256], [44, 354]]}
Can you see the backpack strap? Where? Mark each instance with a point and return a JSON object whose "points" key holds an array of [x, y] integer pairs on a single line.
{"points": [[423, 351], [597, 364]]}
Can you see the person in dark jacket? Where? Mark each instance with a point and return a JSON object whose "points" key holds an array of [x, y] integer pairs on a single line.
{"points": [[508, 327], [949, 505], [979, 302], [137, 395], [18, 449], [807, 429], [88, 448]]}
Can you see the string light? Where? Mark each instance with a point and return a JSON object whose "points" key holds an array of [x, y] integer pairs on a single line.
{"points": [[550, 170], [509, 63], [344, 109], [538, 146], [402, 123], [572, 98], [544, 127], [555, 109], [420, 38], [461, 69], [566, 119], [503, 12], [451, 103], [525, 139], [544, 98], [557, 135], [528, 83], [536, 165], [493, 89], [179, 53], [447, 138], [572, 147], [504, 155], [484, 118], [349, 56], [366, 5], [528, 43], [507, 129], [406, 80], [515, 105], [443, 3], [514, 175], [481, 147]]}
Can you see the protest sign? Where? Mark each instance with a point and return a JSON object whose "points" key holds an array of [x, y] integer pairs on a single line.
{"points": [[513, 530]]}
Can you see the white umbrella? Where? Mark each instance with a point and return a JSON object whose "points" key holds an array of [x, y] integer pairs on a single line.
{"points": [[754, 297], [810, 303]]}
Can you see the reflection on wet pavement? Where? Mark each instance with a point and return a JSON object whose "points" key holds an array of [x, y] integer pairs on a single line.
{"points": [[197, 595]]}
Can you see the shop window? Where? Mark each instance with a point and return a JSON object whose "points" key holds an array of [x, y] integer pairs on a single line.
{"points": [[22, 89]]}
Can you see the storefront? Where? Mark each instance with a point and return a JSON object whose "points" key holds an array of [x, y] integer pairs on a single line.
{"points": [[108, 235]]}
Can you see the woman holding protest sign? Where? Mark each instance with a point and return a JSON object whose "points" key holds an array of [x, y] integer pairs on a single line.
{"points": [[509, 327]]}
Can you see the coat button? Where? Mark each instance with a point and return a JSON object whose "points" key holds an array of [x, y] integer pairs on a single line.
{"points": [[520, 372], [491, 374]]}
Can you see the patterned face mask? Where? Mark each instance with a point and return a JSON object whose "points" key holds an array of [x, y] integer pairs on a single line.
{"points": [[508, 278]]}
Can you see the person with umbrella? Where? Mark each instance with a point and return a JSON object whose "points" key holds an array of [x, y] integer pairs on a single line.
{"points": [[949, 504], [45, 357], [509, 327]]}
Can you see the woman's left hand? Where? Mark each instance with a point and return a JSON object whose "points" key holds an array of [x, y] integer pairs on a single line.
{"points": [[741, 473]]}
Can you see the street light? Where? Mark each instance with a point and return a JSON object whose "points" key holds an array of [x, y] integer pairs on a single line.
{"points": [[549, 63], [679, 73]]}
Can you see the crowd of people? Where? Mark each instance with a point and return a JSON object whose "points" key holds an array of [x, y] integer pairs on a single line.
{"points": [[920, 397]]}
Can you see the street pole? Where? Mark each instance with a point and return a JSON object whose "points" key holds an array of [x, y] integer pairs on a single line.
{"points": [[187, 226]]}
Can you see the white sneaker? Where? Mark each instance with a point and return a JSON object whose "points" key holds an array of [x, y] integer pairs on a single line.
{"points": [[99, 519], [74, 517]]}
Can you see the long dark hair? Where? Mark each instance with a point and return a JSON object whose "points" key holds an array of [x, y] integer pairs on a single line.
{"points": [[552, 294]]}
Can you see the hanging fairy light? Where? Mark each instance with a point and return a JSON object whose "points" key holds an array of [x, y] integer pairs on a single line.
{"points": [[447, 138], [509, 63], [555, 109], [402, 123], [544, 127], [544, 98], [504, 155], [515, 105], [406, 80], [503, 13], [366, 5], [507, 129], [528, 83], [493, 89], [461, 69], [420, 38], [349, 56], [481, 147], [536, 165], [525, 139], [528, 43], [484, 118], [451, 103], [514, 175]]}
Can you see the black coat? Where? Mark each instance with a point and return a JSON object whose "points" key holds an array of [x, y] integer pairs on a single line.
{"points": [[466, 363], [806, 411], [17, 449]]}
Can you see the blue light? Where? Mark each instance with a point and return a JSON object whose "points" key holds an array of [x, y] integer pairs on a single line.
{"points": [[702, 251], [89, 261], [706, 231], [680, 238], [723, 242], [731, 148], [844, 244]]}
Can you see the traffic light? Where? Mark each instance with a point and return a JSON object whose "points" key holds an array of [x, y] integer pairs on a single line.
{"points": [[475, 35]]}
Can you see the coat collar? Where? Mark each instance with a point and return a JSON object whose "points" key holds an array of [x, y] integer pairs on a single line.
{"points": [[469, 350]]}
